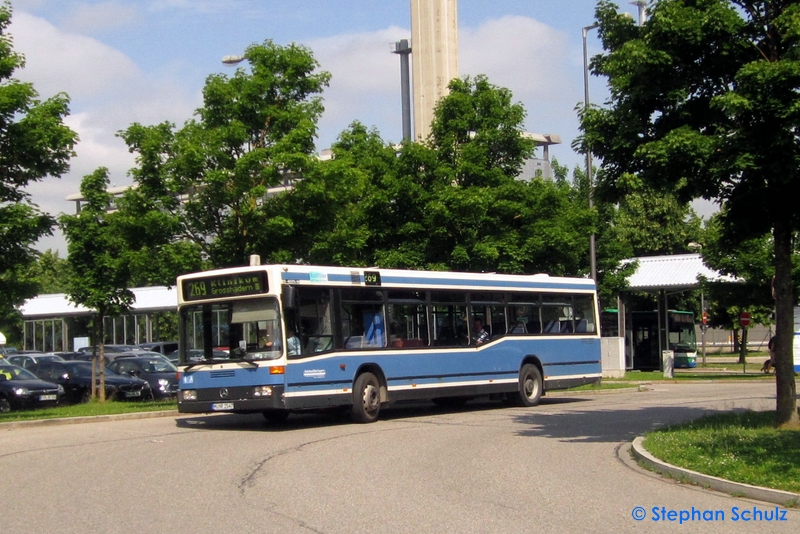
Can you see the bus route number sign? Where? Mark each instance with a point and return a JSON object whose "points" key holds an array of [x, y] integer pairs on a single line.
{"points": [[372, 278], [227, 285]]}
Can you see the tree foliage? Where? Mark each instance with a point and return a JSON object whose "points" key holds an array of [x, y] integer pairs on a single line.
{"points": [[705, 103], [452, 202], [99, 259], [34, 144], [211, 177]]}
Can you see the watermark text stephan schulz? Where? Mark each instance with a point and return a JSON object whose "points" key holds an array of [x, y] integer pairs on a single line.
{"points": [[737, 514]]}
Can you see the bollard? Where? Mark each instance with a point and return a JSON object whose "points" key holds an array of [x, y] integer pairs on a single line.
{"points": [[668, 363]]}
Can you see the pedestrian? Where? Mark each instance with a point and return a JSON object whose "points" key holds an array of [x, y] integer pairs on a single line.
{"points": [[769, 364]]}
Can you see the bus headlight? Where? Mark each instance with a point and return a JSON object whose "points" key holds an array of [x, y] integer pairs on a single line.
{"points": [[263, 391], [189, 394]]}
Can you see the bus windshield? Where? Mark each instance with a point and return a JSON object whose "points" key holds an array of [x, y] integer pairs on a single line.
{"points": [[682, 336], [247, 329]]}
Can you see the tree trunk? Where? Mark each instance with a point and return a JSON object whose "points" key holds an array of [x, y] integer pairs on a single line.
{"points": [[95, 329], [786, 403], [735, 339], [101, 357]]}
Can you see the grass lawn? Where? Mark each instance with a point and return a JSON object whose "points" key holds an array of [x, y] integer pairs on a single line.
{"points": [[689, 374], [737, 446], [89, 409], [718, 366]]}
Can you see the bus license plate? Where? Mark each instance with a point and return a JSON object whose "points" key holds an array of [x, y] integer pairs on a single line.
{"points": [[220, 406], [133, 393], [47, 397]]}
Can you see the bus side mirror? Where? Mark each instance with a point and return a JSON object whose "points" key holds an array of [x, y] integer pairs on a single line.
{"points": [[288, 297]]}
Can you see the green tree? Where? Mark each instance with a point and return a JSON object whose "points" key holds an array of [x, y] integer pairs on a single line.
{"points": [[34, 144], [255, 130], [705, 103], [51, 273], [752, 262], [100, 261], [452, 202]]}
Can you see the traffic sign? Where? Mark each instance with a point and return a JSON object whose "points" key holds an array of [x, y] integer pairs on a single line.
{"points": [[705, 318], [744, 319]]}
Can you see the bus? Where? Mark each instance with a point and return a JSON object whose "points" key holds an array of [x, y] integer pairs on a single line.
{"points": [[642, 344], [277, 339]]}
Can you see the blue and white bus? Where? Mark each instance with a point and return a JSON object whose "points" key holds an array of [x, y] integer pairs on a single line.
{"points": [[302, 337]]}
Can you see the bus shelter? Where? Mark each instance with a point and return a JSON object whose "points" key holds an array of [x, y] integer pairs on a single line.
{"points": [[664, 276]]}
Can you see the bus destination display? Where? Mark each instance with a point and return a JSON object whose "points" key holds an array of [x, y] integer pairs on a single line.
{"points": [[227, 285], [372, 278]]}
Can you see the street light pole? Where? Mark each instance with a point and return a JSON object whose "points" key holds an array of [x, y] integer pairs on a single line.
{"points": [[592, 251], [403, 49]]}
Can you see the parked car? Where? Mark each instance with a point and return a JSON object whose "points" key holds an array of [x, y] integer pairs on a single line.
{"points": [[109, 348], [76, 379], [26, 361], [20, 389], [157, 370], [162, 347], [111, 356], [197, 355], [68, 355], [7, 351]]}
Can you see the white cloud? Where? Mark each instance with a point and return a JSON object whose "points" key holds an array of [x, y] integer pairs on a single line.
{"points": [[365, 81], [516, 52], [529, 58], [88, 17], [108, 92], [57, 61], [519, 53]]}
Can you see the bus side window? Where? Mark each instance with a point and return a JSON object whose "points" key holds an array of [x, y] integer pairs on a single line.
{"points": [[315, 320], [374, 330]]}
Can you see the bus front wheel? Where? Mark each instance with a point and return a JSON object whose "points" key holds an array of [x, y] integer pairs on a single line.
{"points": [[366, 399], [530, 386]]}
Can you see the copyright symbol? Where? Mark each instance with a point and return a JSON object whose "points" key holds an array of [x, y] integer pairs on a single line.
{"points": [[638, 513]]}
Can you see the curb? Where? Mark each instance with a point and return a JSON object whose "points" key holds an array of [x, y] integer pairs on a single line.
{"points": [[736, 489], [634, 388], [86, 419]]}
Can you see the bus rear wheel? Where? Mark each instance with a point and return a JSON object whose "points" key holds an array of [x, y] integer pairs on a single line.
{"points": [[530, 387], [366, 399]]}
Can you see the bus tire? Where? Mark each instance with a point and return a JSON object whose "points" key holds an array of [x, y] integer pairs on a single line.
{"points": [[530, 386], [366, 399]]}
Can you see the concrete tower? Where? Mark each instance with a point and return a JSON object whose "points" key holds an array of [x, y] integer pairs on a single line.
{"points": [[434, 40]]}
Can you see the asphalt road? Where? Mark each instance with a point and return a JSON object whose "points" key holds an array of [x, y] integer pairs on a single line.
{"points": [[559, 467]]}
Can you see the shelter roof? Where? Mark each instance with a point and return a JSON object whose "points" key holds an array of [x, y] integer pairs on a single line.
{"points": [[676, 273], [148, 299]]}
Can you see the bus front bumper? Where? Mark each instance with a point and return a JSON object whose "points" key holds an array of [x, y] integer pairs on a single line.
{"points": [[235, 399]]}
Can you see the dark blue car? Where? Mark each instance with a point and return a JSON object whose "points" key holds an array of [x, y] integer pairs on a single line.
{"points": [[76, 379], [157, 370], [20, 389]]}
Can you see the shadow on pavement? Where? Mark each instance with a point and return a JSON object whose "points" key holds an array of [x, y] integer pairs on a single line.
{"points": [[605, 426], [338, 416]]}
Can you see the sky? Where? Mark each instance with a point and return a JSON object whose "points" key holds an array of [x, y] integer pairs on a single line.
{"points": [[146, 61]]}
